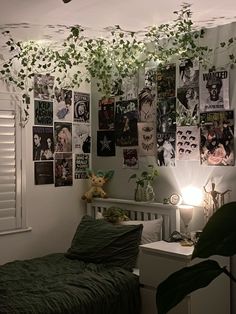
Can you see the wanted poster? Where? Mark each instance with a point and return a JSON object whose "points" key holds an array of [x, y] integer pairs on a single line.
{"points": [[214, 90], [43, 112], [146, 133], [130, 158], [187, 143], [81, 166], [81, 107], [165, 149], [126, 119], [63, 104], [217, 138]]}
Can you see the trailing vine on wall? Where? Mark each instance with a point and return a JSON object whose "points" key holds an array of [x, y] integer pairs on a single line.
{"points": [[109, 60]]}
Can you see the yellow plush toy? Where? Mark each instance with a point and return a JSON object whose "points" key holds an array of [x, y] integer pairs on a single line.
{"points": [[97, 181]]}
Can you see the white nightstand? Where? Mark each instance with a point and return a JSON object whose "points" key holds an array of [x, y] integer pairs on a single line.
{"points": [[160, 259]]}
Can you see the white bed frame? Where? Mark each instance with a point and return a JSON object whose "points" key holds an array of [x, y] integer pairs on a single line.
{"points": [[141, 211]]}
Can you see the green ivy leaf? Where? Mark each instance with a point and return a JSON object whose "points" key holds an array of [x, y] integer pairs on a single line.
{"points": [[181, 283], [219, 235]]}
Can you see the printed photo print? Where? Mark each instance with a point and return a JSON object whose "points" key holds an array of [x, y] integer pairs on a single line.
{"points": [[63, 136], [43, 86], [217, 138], [81, 107], [214, 90], [43, 144], [63, 104], [43, 112], [63, 169]]}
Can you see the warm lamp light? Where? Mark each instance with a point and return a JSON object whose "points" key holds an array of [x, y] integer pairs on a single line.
{"points": [[186, 214], [192, 196]]}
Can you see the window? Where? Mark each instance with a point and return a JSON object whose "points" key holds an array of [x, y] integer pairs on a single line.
{"points": [[10, 164]]}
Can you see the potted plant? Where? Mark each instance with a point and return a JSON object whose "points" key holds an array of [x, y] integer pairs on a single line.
{"points": [[144, 190], [217, 238]]}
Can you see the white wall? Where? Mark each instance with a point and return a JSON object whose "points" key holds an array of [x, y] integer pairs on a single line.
{"points": [[53, 213], [173, 179]]}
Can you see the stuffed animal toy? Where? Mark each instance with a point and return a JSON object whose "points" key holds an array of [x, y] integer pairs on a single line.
{"points": [[97, 181]]}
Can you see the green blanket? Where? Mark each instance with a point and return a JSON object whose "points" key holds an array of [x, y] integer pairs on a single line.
{"points": [[54, 284]]}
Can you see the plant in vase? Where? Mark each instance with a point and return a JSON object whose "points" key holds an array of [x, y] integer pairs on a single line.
{"points": [[144, 190]]}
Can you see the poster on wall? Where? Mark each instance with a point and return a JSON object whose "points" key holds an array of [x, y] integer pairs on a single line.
{"points": [[188, 73], [43, 144], [106, 143], [63, 104], [81, 138], [63, 169], [43, 86], [146, 134], [187, 108], [43, 112], [43, 172], [126, 119], [106, 114], [63, 136], [214, 90], [81, 107], [166, 115], [146, 105], [150, 76], [165, 149], [130, 158], [129, 87], [217, 138], [81, 166], [187, 143], [165, 79]]}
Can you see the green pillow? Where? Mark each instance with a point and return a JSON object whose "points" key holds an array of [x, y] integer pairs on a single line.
{"points": [[99, 241]]}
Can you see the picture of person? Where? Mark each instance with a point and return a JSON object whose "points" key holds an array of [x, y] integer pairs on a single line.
{"points": [[187, 106], [146, 105], [63, 137], [37, 147], [62, 104], [214, 86], [165, 150], [81, 107], [48, 152], [214, 89], [188, 74]]}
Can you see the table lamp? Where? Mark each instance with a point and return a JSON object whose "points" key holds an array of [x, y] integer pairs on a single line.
{"points": [[186, 214]]}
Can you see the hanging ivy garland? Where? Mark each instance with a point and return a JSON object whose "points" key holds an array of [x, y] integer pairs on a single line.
{"points": [[77, 59]]}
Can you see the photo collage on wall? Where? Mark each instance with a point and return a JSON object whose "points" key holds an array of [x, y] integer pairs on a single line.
{"points": [[61, 133], [182, 112]]}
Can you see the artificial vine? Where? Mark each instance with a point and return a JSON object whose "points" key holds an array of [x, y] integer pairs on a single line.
{"points": [[109, 60]]}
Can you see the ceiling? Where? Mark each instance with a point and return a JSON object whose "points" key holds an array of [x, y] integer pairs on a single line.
{"points": [[46, 19]]}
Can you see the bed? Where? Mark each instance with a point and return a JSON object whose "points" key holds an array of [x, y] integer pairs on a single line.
{"points": [[92, 277]]}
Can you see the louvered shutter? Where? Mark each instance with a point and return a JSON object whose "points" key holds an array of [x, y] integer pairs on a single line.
{"points": [[10, 165]]}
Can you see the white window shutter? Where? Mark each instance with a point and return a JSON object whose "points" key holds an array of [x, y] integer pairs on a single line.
{"points": [[10, 164]]}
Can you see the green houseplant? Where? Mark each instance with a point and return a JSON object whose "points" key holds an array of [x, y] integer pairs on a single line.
{"points": [[144, 190], [217, 238]]}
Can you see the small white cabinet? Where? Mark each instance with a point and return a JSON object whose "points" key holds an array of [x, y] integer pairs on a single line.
{"points": [[160, 259]]}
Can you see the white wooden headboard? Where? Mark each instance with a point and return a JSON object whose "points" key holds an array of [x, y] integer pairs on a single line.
{"points": [[140, 211]]}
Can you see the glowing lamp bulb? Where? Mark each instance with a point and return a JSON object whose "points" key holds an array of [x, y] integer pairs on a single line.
{"points": [[192, 195]]}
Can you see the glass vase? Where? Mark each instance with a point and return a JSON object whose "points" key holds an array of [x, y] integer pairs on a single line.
{"points": [[148, 193]]}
